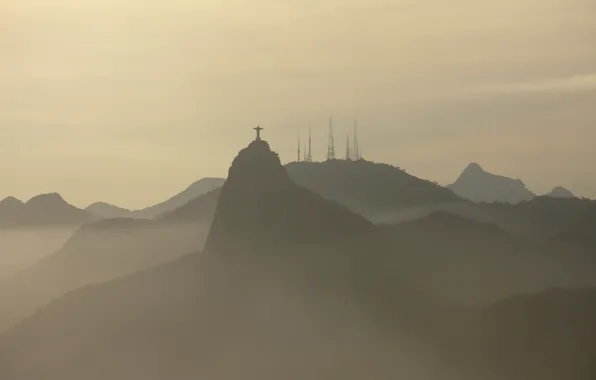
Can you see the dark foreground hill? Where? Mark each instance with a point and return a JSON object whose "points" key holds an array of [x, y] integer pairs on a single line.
{"points": [[289, 286], [42, 210], [546, 336]]}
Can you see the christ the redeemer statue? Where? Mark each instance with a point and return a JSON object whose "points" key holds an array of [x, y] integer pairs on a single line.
{"points": [[258, 129]]}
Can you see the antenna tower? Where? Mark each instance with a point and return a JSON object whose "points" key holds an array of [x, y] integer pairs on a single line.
{"points": [[356, 152], [298, 149], [308, 152], [348, 151], [331, 147]]}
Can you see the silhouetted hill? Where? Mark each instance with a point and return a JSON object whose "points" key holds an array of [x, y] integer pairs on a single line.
{"points": [[42, 210], [10, 205], [478, 185], [107, 211], [560, 192], [366, 187]]}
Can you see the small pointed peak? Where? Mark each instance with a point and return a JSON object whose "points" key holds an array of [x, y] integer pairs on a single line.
{"points": [[561, 192], [11, 199], [11, 202], [473, 167]]}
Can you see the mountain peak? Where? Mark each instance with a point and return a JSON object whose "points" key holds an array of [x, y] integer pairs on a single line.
{"points": [[45, 209], [478, 185], [257, 166], [560, 192], [11, 201], [473, 168]]}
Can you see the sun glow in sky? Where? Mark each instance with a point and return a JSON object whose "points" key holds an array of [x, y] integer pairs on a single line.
{"points": [[130, 101]]}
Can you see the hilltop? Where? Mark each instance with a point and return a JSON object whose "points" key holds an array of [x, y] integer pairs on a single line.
{"points": [[42, 210], [366, 187], [108, 211], [560, 192]]}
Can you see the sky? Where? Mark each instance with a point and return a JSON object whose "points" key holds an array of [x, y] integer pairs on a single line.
{"points": [[130, 101]]}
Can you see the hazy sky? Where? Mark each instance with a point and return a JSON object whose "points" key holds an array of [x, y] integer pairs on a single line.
{"points": [[129, 101]]}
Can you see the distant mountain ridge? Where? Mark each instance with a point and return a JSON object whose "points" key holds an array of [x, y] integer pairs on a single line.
{"points": [[195, 190], [478, 185], [43, 210], [108, 211]]}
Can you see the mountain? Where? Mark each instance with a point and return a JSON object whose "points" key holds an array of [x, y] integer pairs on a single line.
{"points": [[42, 210], [560, 192], [291, 285], [10, 205], [366, 187], [478, 185], [108, 211]]}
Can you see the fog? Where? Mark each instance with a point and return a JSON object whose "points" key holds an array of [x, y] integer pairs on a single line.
{"points": [[23, 247], [53, 262]]}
